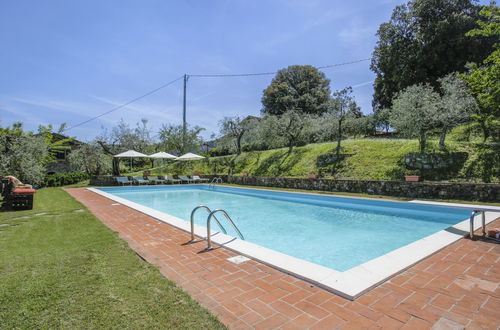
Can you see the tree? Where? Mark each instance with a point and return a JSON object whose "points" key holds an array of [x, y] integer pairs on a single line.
{"points": [[456, 106], [91, 159], [381, 118], [23, 154], [415, 111], [484, 80], [423, 41], [341, 105], [290, 126], [172, 138], [235, 128], [300, 88]]}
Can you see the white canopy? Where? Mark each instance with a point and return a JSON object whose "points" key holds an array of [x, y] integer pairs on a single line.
{"points": [[130, 154], [162, 154], [190, 156]]}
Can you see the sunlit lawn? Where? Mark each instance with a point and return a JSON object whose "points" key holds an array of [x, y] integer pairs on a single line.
{"points": [[60, 267]]}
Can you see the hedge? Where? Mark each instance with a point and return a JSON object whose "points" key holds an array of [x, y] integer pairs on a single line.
{"points": [[62, 179]]}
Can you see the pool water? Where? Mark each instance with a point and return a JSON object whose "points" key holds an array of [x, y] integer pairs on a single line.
{"points": [[335, 232]]}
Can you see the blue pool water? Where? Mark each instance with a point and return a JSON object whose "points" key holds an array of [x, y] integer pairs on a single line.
{"points": [[334, 232]]}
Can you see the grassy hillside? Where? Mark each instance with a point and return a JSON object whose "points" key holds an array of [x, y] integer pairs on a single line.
{"points": [[365, 159]]}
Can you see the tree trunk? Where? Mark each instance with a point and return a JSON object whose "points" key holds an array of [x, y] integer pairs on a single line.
{"points": [[116, 161], [422, 140], [442, 137], [339, 138], [484, 128], [238, 144]]}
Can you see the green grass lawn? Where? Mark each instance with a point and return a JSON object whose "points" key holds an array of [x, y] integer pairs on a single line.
{"points": [[60, 267], [365, 159]]}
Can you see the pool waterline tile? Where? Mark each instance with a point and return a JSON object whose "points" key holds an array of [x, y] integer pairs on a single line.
{"points": [[349, 284]]}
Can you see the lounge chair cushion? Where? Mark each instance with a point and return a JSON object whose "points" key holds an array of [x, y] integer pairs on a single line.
{"points": [[24, 191]]}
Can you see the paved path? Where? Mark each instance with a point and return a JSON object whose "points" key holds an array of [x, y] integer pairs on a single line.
{"points": [[455, 288]]}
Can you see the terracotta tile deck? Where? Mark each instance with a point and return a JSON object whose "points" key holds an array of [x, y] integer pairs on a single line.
{"points": [[455, 288]]}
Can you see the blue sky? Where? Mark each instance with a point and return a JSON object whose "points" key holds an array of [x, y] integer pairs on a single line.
{"points": [[66, 61]]}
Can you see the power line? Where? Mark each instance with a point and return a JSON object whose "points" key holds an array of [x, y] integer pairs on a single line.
{"points": [[125, 104], [201, 76], [270, 73]]}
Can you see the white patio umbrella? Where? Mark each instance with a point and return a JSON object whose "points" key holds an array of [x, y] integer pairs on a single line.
{"points": [[190, 156], [162, 154], [131, 154]]}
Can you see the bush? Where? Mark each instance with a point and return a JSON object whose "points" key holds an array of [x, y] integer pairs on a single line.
{"points": [[62, 179], [216, 152]]}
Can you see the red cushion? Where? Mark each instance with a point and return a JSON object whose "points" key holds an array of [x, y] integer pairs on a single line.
{"points": [[24, 191]]}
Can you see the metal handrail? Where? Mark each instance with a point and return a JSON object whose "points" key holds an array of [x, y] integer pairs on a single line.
{"points": [[471, 220], [212, 214], [215, 181], [192, 220]]}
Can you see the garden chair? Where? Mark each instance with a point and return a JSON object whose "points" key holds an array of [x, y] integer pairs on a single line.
{"points": [[16, 195], [155, 179], [184, 178], [139, 180], [198, 179], [171, 179], [123, 180]]}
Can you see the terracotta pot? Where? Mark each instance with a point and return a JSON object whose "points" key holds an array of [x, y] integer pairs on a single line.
{"points": [[412, 178], [312, 176], [244, 174]]}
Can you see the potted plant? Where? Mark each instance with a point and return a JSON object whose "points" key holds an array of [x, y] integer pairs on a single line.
{"points": [[412, 175]]}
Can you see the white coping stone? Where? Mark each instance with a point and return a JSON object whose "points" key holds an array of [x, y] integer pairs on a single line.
{"points": [[349, 284]]}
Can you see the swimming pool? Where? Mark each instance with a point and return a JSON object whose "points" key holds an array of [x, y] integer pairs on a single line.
{"points": [[339, 234]]}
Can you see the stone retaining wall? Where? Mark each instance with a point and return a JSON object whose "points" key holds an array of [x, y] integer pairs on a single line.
{"points": [[486, 192]]}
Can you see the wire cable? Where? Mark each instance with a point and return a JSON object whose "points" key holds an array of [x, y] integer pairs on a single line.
{"points": [[201, 76], [270, 73], [125, 104]]}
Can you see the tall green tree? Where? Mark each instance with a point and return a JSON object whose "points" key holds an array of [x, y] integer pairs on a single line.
{"points": [[484, 79], [300, 88], [423, 41]]}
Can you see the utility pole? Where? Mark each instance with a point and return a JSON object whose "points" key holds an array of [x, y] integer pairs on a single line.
{"points": [[184, 122]]}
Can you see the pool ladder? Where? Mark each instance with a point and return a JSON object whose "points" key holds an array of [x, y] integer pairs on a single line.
{"points": [[215, 181], [209, 219]]}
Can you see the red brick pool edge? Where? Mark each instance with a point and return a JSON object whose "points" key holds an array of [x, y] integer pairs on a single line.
{"points": [[455, 288]]}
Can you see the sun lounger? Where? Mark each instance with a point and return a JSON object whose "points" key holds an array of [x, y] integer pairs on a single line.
{"points": [[170, 178], [198, 179], [184, 178], [155, 179], [139, 180], [123, 180]]}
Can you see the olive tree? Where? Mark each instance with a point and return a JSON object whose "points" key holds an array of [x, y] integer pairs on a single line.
{"points": [[235, 128], [23, 154], [91, 159], [456, 106], [415, 111], [341, 104]]}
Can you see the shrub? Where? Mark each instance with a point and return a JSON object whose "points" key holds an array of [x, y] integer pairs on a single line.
{"points": [[62, 179]]}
